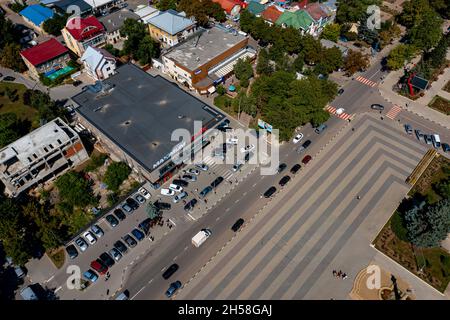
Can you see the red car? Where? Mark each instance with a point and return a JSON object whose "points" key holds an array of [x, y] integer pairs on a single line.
{"points": [[306, 159], [98, 266]]}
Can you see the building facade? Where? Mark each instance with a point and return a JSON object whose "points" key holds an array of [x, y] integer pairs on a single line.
{"points": [[98, 63], [113, 22], [80, 33]]}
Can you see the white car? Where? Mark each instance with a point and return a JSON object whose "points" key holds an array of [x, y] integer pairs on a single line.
{"points": [[248, 148], [175, 187], [232, 140], [145, 193], [340, 111], [297, 138], [90, 237], [167, 192]]}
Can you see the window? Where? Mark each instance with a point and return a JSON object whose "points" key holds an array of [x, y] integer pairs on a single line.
{"points": [[108, 68]]}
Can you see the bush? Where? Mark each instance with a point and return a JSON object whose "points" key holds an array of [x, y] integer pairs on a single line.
{"points": [[95, 162], [397, 226], [116, 174]]}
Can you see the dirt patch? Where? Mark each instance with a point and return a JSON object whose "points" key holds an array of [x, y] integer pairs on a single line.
{"points": [[440, 104]]}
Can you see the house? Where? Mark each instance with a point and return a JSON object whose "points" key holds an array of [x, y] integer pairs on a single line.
{"points": [[146, 12], [321, 16], [102, 5], [271, 14], [330, 44], [36, 15], [231, 7], [98, 63], [62, 6], [40, 156], [46, 56], [80, 33], [256, 8], [113, 22], [299, 20], [170, 27]]}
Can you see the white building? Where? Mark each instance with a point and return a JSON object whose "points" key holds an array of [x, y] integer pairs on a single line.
{"points": [[99, 63]]}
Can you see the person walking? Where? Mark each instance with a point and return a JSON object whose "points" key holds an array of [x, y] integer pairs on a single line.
{"points": [[339, 273], [344, 276], [358, 197], [334, 273]]}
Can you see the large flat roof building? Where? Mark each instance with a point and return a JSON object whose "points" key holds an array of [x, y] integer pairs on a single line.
{"points": [[133, 114]]}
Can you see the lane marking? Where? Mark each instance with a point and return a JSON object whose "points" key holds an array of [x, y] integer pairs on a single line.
{"points": [[49, 279], [172, 222], [150, 281], [137, 293]]}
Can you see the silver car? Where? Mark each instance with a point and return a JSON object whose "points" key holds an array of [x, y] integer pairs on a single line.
{"points": [[81, 243], [202, 166], [180, 197], [115, 254]]}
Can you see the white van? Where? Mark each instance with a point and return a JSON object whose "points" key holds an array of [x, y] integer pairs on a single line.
{"points": [[201, 237], [436, 140]]}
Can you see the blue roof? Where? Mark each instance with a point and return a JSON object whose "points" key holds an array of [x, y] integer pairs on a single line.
{"points": [[37, 14], [171, 21]]}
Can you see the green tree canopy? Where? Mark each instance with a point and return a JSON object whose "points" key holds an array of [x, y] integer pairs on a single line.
{"points": [[55, 24], [75, 190], [164, 5], [9, 128], [331, 32], [353, 10], [243, 71], [116, 173], [355, 61]]}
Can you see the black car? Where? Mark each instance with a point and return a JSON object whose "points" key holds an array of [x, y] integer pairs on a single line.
{"points": [[132, 203], [237, 224], [145, 225], [305, 145], [281, 167], [162, 205], [377, 106], [270, 192], [76, 83], [248, 156], [205, 191], [113, 222], [216, 182], [129, 241], [408, 129], [190, 205], [445, 147], [295, 168], [284, 181], [107, 260], [180, 182], [72, 251], [341, 91], [170, 271], [120, 246], [9, 78], [119, 214]]}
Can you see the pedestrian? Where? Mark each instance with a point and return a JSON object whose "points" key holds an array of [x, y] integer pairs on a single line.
{"points": [[334, 273], [206, 201], [339, 273], [358, 197], [353, 129], [344, 276], [382, 118], [170, 226], [107, 292]]}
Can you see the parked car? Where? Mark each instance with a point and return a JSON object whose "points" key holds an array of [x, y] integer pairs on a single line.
{"points": [[237, 225], [180, 182], [419, 134], [167, 192], [270, 192], [304, 146], [295, 168], [193, 171], [281, 167], [97, 230], [90, 237], [236, 167], [320, 128], [248, 156], [113, 222], [189, 177], [445, 147], [129, 241], [173, 288], [107, 260], [90, 275], [427, 139], [284, 181], [145, 226], [190, 205], [139, 235], [216, 182], [297, 138], [132, 203], [377, 106], [170, 271], [175, 187], [115, 253], [76, 83], [248, 148], [81, 244], [145, 193], [98, 266], [127, 208], [139, 198], [306, 159], [121, 247], [408, 129], [9, 78], [72, 251], [20, 272], [162, 205], [202, 166], [205, 191], [119, 214], [180, 197]]}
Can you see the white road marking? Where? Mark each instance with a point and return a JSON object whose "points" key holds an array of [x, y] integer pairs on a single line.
{"points": [[150, 281], [236, 201], [57, 289], [50, 278], [175, 258], [163, 269], [137, 293], [217, 218], [172, 222], [254, 185], [185, 248], [191, 216]]}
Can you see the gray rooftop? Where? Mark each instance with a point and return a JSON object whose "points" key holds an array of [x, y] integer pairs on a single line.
{"points": [[171, 21], [141, 112], [114, 21], [203, 47]]}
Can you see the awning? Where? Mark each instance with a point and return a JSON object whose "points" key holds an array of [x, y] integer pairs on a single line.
{"points": [[228, 68], [212, 89]]}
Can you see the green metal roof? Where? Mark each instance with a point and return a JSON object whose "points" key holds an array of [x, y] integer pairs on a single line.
{"points": [[255, 7], [299, 19]]}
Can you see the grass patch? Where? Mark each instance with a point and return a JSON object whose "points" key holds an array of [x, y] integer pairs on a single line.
{"points": [[447, 87], [440, 104], [225, 103], [58, 257], [22, 111], [96, 161], [398, 227]]}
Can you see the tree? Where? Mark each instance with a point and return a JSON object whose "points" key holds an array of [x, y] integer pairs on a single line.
{"points": [[41, 101], [7, 31], [412, 12], [221, 90], [9, 128], [311, 50], [116, 173], [437, 56], [202, 10], [398, 55], [55, 24], [75, 190], [355, 61], [388, 33], [135, 31], [331, 59], [427, 32], [10, 57], [148, 49], [352, 10], [298, 63], [369, 35], [164, 5], [331, 32], [263, 65], [243, 71]]}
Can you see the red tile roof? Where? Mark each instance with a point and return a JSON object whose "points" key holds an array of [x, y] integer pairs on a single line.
{"points": [[315, 11], [84, 28], [271, 14], [228, 5], [44, 52]]}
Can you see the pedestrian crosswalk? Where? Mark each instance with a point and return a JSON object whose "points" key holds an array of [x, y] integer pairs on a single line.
{"points": [[395, 110], [217, 167], [365, 81], [343, 115]]}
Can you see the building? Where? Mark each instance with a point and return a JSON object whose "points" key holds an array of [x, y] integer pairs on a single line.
{"points": [[321, 16], [113, 22], [46, 56], [256, 8], [98, 63], [170, 27], [80, 33], [36, 15], [330, 44], [62, 6], [146, 12], [133, 115], [40, 156], [299, 20], [271, 14], [231, 7], [102, 5], [207, 58]]}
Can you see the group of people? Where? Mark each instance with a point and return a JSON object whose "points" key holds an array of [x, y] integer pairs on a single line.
{"points": [[339, 274]]}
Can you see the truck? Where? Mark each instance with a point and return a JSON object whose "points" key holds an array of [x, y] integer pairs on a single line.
{"points": [[201, 237]]}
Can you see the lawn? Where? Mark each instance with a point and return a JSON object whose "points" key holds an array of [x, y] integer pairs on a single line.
{"points": [[22, 111], [440, 104], [57, 257]]}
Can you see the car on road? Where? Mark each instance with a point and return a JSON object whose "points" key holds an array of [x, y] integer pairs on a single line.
{"points": [[115, 253], [248, 148], [205, 191], [139, 198], [190, 205], [248, 156], [269, 192], [445, 147], [236, 167], [180, 182], [320, 128], [113, 222], [180, 197], [170, 271], [145, 193], [119, 214], [189, 177], [121, 247], [90, 237], [81, 243], [99, 266], [297, 138], [284, 180], [72, 251], [232, 140], [76, 83], [167, 192], [427, 139], [107, 260], [132, 203], [340, 111], [340, 91], [175, 187], [97, 230], [173, 288], [90, 275], [306, 159], [193, 171], [127, 208], [162, 205], [237, 225], [377, 106], [408, 129], [216, 182], [138, 234], [9, 78], [305, 145], [129, 241], [419, 134], [295, 168], [281, 167], [202, 166]]}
